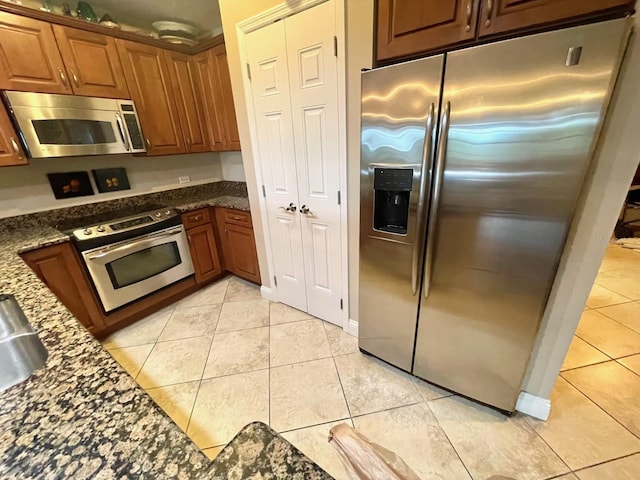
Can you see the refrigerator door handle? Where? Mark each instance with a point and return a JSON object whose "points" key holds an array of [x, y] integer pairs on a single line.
{"points": [[435, 198], [427, 152]]}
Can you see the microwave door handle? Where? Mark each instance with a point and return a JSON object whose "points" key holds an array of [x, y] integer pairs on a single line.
{"points": [[125, 140], [123, 248]]}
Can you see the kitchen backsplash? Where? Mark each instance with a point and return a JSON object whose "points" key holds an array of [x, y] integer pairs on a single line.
{"points": [[66, 217]]}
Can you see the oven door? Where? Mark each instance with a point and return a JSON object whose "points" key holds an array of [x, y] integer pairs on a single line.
{"points": [[131, 269], [63, 132]]}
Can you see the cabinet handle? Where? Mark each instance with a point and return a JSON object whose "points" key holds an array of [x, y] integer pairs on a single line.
{"points": [[188, 144], [75, 78], [196, 218], [489, 12], [469, 8], [146, 140], [16, 148], [236, 218], [63, 77]]}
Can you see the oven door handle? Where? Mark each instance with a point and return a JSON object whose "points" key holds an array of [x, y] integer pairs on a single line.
{"points": [[122, 248]]}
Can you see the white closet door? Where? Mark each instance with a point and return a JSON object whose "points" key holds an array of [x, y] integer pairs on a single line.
{"points": [[266, 52], [313, 80]]}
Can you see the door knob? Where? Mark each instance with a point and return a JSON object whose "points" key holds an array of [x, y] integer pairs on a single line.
{"points": [[290, 208], [304, 209]]}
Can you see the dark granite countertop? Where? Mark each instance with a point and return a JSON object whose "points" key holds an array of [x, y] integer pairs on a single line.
{"points": [[227, 201], [82, 416]]}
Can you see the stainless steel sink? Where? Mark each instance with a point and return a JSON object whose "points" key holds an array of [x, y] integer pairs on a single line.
{"points": [[21, 351]]}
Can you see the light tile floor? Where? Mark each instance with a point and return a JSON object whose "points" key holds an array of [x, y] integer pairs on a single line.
{"points": [[224, 357]]}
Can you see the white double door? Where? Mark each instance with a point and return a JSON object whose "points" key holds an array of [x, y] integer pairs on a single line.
{"points": [[293, 72]]}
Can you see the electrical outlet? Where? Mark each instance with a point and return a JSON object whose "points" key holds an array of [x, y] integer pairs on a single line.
{"points": [[185, 179]]}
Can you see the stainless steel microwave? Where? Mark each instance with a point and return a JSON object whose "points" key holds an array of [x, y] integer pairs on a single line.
{"points": [[68, 125]]}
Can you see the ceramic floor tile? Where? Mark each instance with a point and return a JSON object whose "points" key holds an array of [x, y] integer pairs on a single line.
{"points": [[144, 331], [607, 335], [628, 314], [490, 443], [581, 354], [312, 441], [176, 361], [242, 290], [371, 385], [413, 433], [210, 295], [580, 432], [632, 363], [613, 387], [623, 282], [618, 258], [601, 297], [281, 313], [237, 352], [226, 404], [177, 401], [132, 358], [341, 342], [627, 468], [191, 322], [241, 315], [428, 391], [212, 452], [298, 342], [305, 394], [568, 476]]}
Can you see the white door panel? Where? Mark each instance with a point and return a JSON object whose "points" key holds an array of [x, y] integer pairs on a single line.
{"points": [[314, 108], [267, 58]]}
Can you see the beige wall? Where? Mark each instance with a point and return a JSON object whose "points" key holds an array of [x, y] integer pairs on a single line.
{"points": [[233, 12], [26, 189], [604, 191]]}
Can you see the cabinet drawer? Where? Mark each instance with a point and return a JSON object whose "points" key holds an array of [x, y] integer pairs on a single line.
{"points": [[237, 217], [195, 218]]}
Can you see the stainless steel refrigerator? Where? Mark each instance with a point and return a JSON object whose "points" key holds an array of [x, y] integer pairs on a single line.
{"points": [[471, 166]]}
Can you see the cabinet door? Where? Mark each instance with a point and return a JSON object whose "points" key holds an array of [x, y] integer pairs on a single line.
{"points": [[224, 97], [11, 152], [29, 57], [147, 74], [59, 268], [204, 252], [409, 27], [204, 70], [92, 62], [187, 89], [504, 15], [242, 248]]}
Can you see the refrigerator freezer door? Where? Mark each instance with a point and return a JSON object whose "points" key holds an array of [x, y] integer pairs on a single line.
{"points": [[399, 110], [524, 119]]}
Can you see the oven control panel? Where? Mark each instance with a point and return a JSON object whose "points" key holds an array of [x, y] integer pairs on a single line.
{"points": [[122, 225]]}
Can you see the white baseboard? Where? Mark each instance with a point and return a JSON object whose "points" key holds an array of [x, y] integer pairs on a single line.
{"points": [[352, 327], [537, 407], [267, 293]]}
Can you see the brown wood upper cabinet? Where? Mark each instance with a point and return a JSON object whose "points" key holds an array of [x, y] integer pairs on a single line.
{"points": [[406, 28], [223, 97], [145, 68], [190, 100], [203, 69], [29, 57], [11, 152], [92, 62], [506, 15]]}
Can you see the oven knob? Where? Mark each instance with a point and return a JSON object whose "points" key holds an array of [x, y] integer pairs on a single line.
{"points": [[87, 231], [158, 214], [168, 212], [100, 229]]}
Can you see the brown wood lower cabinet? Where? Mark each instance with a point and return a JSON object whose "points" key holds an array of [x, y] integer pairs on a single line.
{"points": [[59, 267], [204, 253], [238, 243]]}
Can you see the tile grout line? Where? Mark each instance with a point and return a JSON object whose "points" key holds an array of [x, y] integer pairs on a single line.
{"points": [[605, 462], [615, 320], [598, 405], [528, 423], [444, 432], [314, 425]]}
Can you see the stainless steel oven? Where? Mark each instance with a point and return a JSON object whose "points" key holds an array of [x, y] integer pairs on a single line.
{"points": [[134, 256]]}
